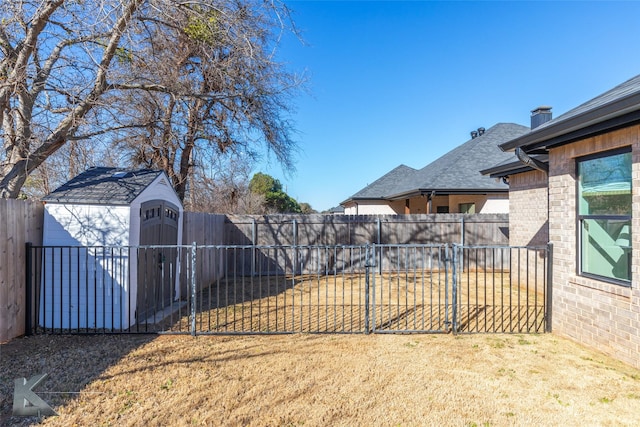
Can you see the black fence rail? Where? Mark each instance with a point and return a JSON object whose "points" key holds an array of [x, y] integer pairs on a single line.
{"points": [[411, 289], [283, 289], [105, 289], [502, 289], [249, 289]]}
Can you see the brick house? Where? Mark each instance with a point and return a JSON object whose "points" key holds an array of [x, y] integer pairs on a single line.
{"points": [[449, 184], [577, 185]]}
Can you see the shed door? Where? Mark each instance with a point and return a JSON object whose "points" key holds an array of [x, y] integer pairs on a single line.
{"points": [[157, 265]]}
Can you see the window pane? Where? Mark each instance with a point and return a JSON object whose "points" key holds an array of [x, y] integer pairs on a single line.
{"points": [[467, 208], [606, 248], [605, 185]]}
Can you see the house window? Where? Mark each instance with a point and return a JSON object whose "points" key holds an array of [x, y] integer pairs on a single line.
{"points": [[604, 216], [442, 209], [467, 208]]}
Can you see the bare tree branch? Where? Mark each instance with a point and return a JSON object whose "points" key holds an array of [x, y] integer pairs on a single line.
{"points": [[166, 81]]}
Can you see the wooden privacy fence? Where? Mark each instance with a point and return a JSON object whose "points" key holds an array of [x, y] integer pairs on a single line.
{"points": [[271, 231], [331, 230], [20, 222]]}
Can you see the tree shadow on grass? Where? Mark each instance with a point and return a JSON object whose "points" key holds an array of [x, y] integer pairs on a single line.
{"points": [[71, 363]]}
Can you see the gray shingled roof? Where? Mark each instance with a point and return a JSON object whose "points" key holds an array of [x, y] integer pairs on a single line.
{"points": [[613, 105], [457, 171], [385, 185], [104, 186]]}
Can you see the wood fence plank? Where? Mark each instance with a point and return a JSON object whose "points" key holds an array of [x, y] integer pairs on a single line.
{"points": [[361, 229], [23, 221], [5, 333], [20, 221]]}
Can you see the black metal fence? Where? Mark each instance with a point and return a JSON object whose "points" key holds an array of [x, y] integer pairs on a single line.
{"points": [[288, 289], [502, 289]]}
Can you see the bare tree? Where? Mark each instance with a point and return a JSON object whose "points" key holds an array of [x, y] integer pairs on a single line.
{"points": [[220, 183], [168, 77]]}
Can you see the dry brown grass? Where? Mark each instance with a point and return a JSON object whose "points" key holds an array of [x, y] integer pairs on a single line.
{"points": [[322, 380], [415, 301]]}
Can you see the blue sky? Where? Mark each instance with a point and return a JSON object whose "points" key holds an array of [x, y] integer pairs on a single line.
{"points": [[403, 82]]}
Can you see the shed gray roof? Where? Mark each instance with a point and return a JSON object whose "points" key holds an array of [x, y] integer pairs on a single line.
{"points": [[458, 171], [104, 186], [615, 108]]}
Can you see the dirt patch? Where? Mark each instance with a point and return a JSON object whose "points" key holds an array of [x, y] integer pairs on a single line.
{"points": [[320, 380]]}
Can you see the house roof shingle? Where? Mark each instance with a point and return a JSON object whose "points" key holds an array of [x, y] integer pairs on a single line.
{"points": [[104, 186], [456, 171], [615, 108]]}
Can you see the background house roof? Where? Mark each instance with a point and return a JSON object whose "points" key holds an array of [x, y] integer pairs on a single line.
{"points": [[104, 186], [386, 185], [513, 166], [617, 107], [458, 171]]}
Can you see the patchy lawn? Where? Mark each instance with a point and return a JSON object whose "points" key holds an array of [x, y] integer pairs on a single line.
{"points": [[321, 380]]}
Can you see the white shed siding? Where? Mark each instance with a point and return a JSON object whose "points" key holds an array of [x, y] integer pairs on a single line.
{"points": [[86, 225], [103, 292]]}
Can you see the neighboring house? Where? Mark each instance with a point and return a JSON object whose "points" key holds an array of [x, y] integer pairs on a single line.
{"points": [[107, 207], [582, 195], [338, 210], [450, 184]]}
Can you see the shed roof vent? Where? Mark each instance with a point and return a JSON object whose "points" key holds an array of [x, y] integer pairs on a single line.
{"points": [[120, 174]]}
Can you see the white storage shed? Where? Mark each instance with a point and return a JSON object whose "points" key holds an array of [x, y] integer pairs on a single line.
{"points": [[93, 226]]}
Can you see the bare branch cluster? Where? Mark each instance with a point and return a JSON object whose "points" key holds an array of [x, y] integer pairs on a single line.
{"points": [[165, 82]]}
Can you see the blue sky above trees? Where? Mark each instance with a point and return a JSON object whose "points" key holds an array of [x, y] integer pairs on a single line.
{"points": [[406, 81]]}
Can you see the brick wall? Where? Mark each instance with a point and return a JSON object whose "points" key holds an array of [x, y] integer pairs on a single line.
{"points": [[595, 313], [528, 209], [528, 224]]}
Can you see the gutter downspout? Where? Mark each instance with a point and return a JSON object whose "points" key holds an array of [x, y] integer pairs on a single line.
{"points": [[536, 164], [544, 168]]}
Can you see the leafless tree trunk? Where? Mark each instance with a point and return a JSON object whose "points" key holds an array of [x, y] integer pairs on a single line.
{"points": [[31, 65], [169, 78]]}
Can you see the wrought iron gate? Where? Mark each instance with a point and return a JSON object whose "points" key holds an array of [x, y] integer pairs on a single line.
{"points": [[289, 289]]}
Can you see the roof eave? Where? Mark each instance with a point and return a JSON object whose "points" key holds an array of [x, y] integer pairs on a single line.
{"points": [[447, 191], [506, 171], [358, 199], [83, 202], [619, 109]]}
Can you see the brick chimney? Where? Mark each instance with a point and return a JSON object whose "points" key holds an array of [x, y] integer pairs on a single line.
{"points": [[540, 115]]}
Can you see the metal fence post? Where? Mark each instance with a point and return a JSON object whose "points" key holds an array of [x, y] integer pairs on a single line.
{"points": [[549, 301], [454, 288], [379, 242], [367, 273], [28, 284], [254, 237], [193, 288], [295, 248]]}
